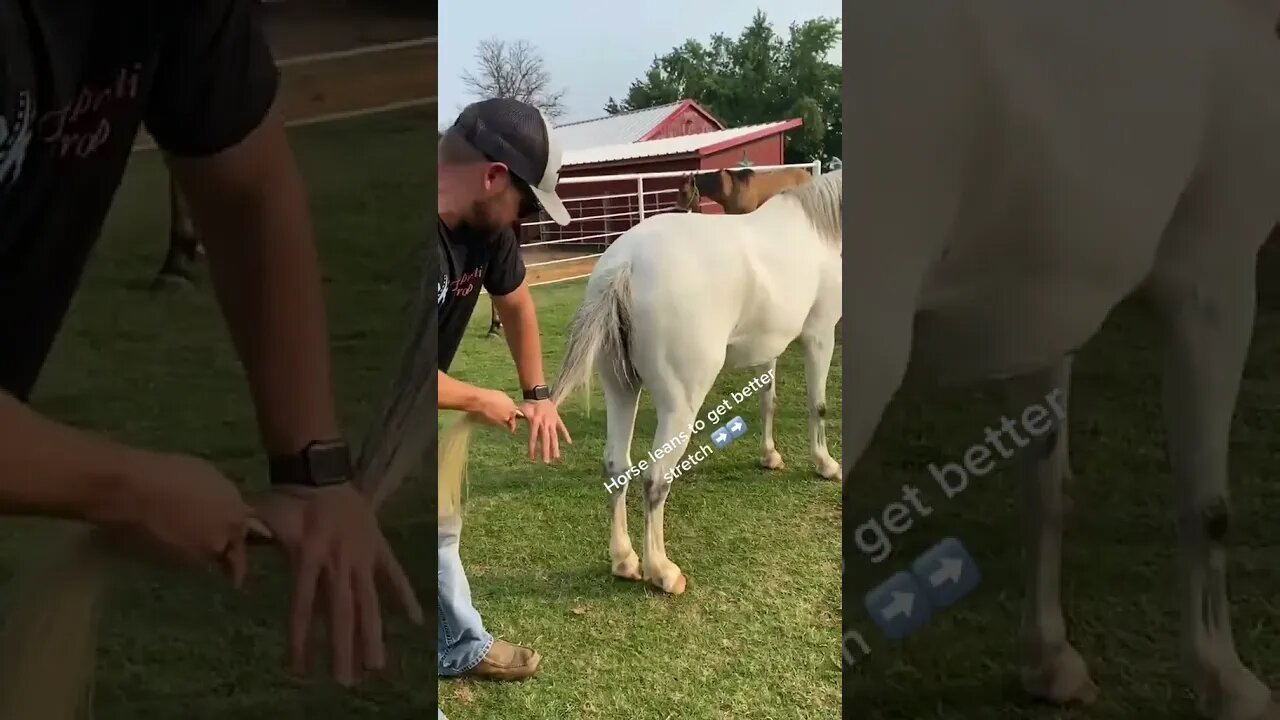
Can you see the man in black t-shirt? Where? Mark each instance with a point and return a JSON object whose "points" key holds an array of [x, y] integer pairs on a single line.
{"points": [[497, 163], [78, 79]]}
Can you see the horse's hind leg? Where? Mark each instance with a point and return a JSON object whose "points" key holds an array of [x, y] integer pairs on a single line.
{"points": [[770, 458], [1052, 669], [819, 346], [673, 419], [677, 400], [1206, 299], [621, 401]]}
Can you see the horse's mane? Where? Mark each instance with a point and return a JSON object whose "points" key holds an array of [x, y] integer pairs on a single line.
{"points": [[822, 201]]}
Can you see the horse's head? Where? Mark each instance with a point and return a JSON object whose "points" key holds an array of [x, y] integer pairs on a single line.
{"points": [[688, 199], [716, 184]]}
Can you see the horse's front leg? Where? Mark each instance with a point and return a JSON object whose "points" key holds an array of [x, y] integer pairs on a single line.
{"points": [[818, 349], [770, 458], [1052, 669]]}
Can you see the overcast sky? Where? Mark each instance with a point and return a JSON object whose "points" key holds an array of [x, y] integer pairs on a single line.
{"points": [[595, 49]]}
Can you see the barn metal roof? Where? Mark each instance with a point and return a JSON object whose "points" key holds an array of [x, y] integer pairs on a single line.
{"points": [[617, 129], [680, 145]]}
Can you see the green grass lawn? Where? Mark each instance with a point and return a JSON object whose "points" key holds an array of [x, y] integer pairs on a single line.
{"points": [[757, 634], [753, 638], [158, 370], [1119, 576]]}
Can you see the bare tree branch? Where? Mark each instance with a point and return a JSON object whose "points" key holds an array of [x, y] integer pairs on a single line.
{"points": [[513, 70]]}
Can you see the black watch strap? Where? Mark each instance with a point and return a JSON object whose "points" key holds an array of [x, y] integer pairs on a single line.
{"points": [[537, 392], [319, 464]]}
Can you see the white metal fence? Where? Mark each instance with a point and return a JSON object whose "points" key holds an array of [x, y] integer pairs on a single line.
{"points": [[604, 210]]}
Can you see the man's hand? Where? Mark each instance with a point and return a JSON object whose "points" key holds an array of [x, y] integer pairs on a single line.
{"points": [[545, 426], [496, 408], [332, 538], [188, 511]]}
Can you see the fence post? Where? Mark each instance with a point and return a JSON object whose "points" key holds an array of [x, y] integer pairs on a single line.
{"points": [[640, 195], [817, 168]]}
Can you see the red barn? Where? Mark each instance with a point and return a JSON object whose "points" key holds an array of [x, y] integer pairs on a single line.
{"points": [[679, 137]]}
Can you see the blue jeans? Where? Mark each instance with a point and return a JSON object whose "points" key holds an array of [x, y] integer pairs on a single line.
{"points": [[461, 640]]}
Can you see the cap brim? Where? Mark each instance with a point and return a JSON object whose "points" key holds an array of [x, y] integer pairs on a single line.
{"points": [[552, 204]]}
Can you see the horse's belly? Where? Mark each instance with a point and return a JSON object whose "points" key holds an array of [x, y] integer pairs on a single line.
{"points": [[1003, 331], [757, 349]]}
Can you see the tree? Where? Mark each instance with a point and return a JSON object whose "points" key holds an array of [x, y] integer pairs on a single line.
{"points": [[513, 70], [755, 78]]}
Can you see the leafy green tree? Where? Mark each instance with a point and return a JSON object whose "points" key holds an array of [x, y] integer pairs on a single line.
{"points": [[754, 78]]}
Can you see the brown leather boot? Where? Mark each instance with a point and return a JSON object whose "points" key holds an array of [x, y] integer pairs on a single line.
{"points": [[505, 661]]}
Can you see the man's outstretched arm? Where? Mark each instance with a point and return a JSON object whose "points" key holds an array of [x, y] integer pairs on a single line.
{"points": [[250, 205], [520, 317]]}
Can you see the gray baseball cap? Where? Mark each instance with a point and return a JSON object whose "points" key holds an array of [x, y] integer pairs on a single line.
{"points": [[518, 135]]}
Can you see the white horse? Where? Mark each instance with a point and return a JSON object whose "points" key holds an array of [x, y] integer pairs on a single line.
{"points": [[679, 297], [1017, 170]]}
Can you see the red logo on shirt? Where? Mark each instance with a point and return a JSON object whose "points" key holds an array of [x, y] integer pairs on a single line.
{"points": [[467, 283], [83, 126]]}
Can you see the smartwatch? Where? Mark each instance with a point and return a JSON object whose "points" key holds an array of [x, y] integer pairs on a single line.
{"points": [[319, 464], [537, 392]]}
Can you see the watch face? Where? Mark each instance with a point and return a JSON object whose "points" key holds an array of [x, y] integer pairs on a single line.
{"points": [[328, 463]]}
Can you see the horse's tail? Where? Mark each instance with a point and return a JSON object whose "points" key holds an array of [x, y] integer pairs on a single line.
{"points": [[601, 327], [452, 467], [50, 632]]}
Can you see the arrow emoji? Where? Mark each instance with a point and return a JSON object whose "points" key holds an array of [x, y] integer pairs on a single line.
{"points": [[901, 605], [735, 426], [950, 571], [721, 436]]}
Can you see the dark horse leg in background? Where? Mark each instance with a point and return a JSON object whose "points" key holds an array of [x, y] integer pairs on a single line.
{"points": [[495, 324], [184, 241]]}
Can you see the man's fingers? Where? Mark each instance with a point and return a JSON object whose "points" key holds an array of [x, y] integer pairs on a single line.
{"points": [[546, 431], [564, 430], [301, 614], [342, 623], [390, 572], [554, 440], [373, 650], [236, 562], [533, 441]]}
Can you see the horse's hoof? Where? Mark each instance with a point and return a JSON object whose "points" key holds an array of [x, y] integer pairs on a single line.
{"points": [[679, 587], [628, 569], [772, 461], [1064, 680], [673, 587], [829, 469]]}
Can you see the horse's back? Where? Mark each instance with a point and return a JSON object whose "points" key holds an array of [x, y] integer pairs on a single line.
{"points": [[721, 274]]}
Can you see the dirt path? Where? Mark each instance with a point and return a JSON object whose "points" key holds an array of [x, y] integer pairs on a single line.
{"points": [[560, 271], [304, 27], [320, 88], [357, 83]]}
